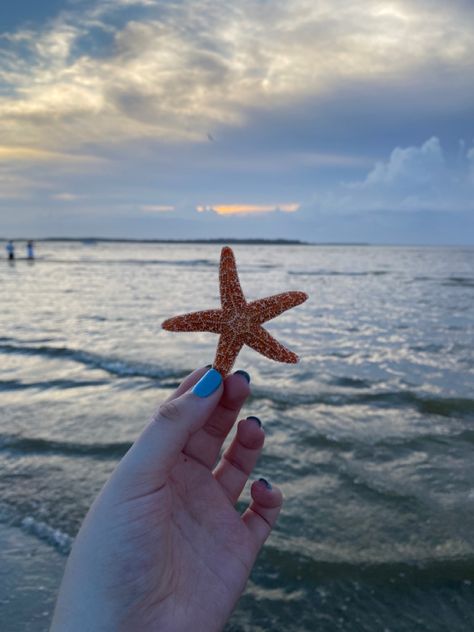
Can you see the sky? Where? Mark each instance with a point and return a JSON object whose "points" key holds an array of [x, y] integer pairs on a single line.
{"points": [[320, 120]]}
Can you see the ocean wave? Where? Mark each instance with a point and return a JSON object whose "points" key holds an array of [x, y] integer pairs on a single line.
{"points": [[465, 436], [451, 281], [112, 365], [416, 442], [16, 385], [139, 262], [30, 445], [309, 568], [281, 400], [369, 486], [21, 445], [321, 440], [442, 406], [337, 273], [351, 382], [57, 538], [455, 281], [398, 571], [9, 339]]}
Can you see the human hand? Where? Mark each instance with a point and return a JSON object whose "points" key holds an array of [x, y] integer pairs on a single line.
{"points": [[162, 547]]}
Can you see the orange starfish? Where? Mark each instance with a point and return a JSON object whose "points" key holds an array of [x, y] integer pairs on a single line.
{"points": [[239, 323]]}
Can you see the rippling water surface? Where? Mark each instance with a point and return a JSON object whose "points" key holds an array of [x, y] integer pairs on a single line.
{"points": [[371, 436]]}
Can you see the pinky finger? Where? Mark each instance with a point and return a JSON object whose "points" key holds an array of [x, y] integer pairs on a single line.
{"points": [[263, 511]]}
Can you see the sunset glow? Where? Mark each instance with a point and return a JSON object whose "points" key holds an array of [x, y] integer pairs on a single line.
{"points": [[247, 209]]}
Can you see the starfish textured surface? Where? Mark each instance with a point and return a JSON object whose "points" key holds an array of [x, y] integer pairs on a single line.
{"points": [[239, 322]]}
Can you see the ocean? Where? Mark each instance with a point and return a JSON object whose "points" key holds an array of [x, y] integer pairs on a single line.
{"points": [[370, 436]]}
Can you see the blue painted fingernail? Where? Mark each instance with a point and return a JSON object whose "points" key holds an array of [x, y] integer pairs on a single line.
{"points": [[256, 419], [265, 482], [244, 374], [209, 383]]}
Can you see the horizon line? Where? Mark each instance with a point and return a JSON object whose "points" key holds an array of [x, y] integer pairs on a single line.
{"points": [[229, 240]]}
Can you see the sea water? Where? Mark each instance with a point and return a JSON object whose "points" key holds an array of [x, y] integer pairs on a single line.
{"points": [[370, 436]]}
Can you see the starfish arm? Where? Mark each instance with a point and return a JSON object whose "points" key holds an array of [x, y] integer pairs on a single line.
{"points": [[230, 343], [208, 320], [272, 306], [260, 340], [232, 297]]}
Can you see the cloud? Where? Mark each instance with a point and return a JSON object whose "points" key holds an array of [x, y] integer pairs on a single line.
{"points": [[183, 68], [34, 154], [416, 178], [409, 168], [248, 209], [156, 208], [303, 101], [66, 197]]}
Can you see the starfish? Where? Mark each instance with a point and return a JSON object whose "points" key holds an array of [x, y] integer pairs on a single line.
{"points": [[239, 322]]}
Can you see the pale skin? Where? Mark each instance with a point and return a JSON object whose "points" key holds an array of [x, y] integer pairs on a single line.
{"points": [[163, 547]]}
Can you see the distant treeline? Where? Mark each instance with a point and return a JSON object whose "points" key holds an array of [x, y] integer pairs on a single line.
{"points": [[250, 242]]}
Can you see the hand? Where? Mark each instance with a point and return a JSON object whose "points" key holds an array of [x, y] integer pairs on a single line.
{"points": [[162, 547]]}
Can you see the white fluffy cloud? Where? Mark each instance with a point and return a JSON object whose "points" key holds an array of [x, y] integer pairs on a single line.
{"points": [[409, 168], [417, 178]]}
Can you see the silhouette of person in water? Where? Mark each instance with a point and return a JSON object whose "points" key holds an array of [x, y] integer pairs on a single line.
{"points": [[29, 250], [10, 248]]}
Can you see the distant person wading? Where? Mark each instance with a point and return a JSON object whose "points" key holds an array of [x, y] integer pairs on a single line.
{"points": [[30, 254], [10, 248]]}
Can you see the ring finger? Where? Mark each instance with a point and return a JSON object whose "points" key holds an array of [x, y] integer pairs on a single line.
{"points": [[240, 458]]}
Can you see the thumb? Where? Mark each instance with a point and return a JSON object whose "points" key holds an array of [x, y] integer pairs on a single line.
{"points": [[147, 464]]}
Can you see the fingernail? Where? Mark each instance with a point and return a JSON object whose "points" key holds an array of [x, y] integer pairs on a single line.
{"points": [[245, 375], [255, 419], [209, 383], [265, 482]]}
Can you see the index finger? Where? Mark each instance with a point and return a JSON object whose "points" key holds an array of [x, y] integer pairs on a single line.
{"points": [[189, 381], [206, 443]]}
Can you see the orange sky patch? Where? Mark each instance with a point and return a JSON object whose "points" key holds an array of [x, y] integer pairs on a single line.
{"points": [[247, 209]]}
